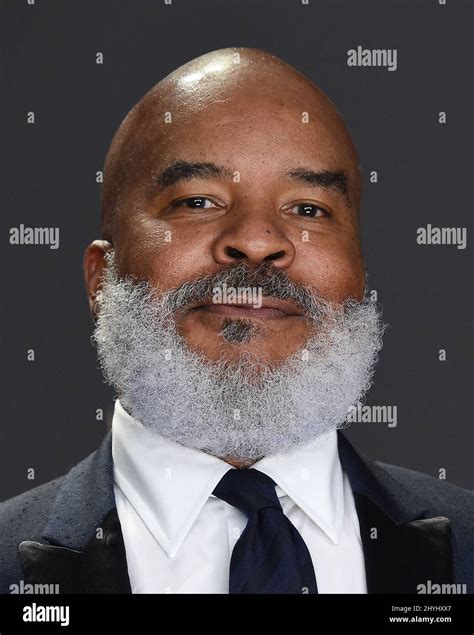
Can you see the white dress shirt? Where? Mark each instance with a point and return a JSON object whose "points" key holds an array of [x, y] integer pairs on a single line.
{"points": [[179, 537]]}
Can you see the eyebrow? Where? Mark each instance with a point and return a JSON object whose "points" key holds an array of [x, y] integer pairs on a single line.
{"points": [[181, 170], [330, 179], [185, 171]]}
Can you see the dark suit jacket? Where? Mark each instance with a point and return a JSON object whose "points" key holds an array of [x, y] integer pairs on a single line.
{"points": [[415, 529]]}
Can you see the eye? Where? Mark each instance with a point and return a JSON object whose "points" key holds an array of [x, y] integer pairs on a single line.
{"points": [[195, 202], [309, 210]]}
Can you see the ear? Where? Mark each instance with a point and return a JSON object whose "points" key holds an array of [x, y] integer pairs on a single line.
{"points": [[94, 265]]}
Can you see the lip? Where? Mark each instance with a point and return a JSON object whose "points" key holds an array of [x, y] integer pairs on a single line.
{"points": [[272, 308]]}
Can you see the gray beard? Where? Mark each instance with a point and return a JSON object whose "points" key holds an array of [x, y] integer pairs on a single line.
{"points": [[244, 408]]}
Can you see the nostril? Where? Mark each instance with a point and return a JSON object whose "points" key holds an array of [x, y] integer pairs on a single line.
{"points": [[275, 256], [234, 253]]}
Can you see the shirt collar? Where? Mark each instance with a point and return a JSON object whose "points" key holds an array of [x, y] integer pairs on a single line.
{"points": [[168, 484], [312, 477]]}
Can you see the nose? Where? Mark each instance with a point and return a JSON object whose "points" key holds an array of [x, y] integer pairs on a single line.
{"points": [[253, 242]]}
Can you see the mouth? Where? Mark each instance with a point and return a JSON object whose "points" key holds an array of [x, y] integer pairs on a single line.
{"points": [[270, 309]]}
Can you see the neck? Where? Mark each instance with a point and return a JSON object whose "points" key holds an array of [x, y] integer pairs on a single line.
{"points": [[237, 462]]}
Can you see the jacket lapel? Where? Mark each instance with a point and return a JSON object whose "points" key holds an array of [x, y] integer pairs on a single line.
{"points": [[83, 550], [99, 568], [403, 546]]}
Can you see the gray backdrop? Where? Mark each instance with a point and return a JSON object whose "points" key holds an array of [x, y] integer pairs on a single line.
{"points": [[49, 180]]}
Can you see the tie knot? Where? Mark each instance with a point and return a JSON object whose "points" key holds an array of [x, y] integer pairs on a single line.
{"points": [[248, 490]]}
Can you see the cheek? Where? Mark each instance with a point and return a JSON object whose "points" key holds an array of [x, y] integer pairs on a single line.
{"points": [[336, 272], [165, 256]]}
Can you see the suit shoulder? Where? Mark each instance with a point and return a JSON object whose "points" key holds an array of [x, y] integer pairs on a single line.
{"points": [[34, 501], [28, 512], [435, 492]]}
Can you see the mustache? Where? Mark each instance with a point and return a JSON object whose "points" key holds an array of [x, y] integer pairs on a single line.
{"points": [[272, 281]]}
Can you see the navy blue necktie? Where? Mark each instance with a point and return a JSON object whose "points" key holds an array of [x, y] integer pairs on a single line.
{"points": [[270, 556]]}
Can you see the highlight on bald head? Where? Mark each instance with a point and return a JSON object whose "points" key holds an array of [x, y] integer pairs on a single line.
{"points": [[212, 88]]}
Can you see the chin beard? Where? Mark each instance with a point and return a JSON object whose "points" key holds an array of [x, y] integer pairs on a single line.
{"points": [[243, 408]]}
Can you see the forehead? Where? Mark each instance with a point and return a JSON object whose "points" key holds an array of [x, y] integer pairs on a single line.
{"points": [[245, 133]]}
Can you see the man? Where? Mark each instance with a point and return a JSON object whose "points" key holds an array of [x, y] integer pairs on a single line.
{"points": [[228, 294]]}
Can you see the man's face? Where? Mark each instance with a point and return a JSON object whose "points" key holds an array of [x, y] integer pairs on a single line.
{"points": [[254, 181], [254, 201]]}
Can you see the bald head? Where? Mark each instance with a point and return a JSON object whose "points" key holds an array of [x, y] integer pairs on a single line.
{"points": [[196, 101]]}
